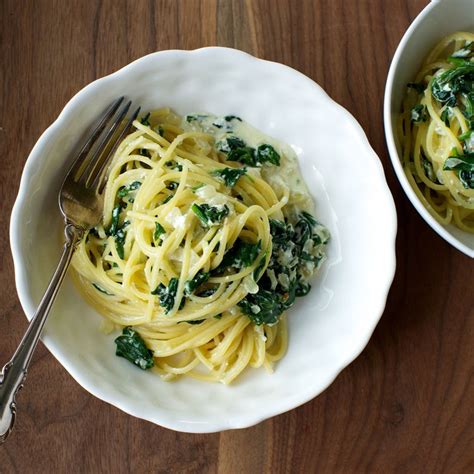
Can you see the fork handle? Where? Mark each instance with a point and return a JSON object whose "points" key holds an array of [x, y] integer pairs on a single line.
{"points": [[13, 374]]}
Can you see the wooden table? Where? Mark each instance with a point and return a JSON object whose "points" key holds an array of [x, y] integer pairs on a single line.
{"points": [[405, 405]]}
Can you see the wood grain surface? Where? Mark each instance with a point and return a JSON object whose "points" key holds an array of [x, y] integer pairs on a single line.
{"points": [[405, 405]]}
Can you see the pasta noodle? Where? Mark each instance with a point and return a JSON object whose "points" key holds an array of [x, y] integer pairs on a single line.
{"points": [[436, 131], [189, 242]]}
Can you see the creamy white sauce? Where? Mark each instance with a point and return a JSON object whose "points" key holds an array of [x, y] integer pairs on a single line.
{"points": [[285, 178], [470, 143], [175, 218], [210, 195]]}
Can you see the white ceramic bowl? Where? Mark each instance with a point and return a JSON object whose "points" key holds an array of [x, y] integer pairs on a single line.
{"points": [[438, 19], [328, 328]]}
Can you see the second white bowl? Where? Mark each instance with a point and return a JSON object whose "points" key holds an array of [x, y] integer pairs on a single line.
{"points": [[438, 19]]}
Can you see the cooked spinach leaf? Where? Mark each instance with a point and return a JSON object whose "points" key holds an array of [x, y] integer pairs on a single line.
{"points": [[257, 273], [191, 285], [448, 84], [116, 230], [302, 288], [237, 150], [458, 62], [132, 347], [466, 135], [464, 165], [145, 120], [174, 165], [230, 176], [266, 154], [419, 114], [125, 190], [418, 86], [467, 179], [308, 218], [244, 155], [281, 232], [468, 102], [263, 307], [210, 215], [296, 251], [114, 225], [460, 162], [465, 51], [229, 118], [192, 118], [159, 231], [144, 152], [167, 294], [120, 241], [445, 115], [230, 143], [172, 185], [428, 169], [241, 255]]}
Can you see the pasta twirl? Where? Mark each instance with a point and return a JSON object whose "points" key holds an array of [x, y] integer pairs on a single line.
{"points": [[207, 238]]}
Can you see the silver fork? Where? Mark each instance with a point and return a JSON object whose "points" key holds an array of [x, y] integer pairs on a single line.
{"points": [[81, 203]]}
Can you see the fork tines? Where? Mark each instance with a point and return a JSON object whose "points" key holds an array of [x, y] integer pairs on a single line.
{"points": [[99, 148]]}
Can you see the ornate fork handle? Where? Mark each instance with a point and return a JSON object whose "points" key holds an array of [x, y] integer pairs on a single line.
{"points": [[14, 372]]}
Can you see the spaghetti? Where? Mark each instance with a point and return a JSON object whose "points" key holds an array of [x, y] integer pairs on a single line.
{"points": [[202, 247]]}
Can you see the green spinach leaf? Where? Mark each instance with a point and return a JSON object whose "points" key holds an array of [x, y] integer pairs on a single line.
{"points": [[159, 231], [120, 241], [125, 190], [460, 162], [132, 347], [244, 155], [263, 307], [174, 165], [418, 86], [198, 117], [445, 115], [167, 295], [114, 225], [210, 215], [464, 165], [172, 185], [230, 176], [466, 135], [145, 120], [117, 230], [419, 114], [448, 84], [428, 169], [241, 255], [465, 51], [266, 154], [191, 285]]}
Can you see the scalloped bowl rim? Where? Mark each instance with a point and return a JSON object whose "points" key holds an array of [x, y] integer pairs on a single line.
{"points": [[163, 420]]}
